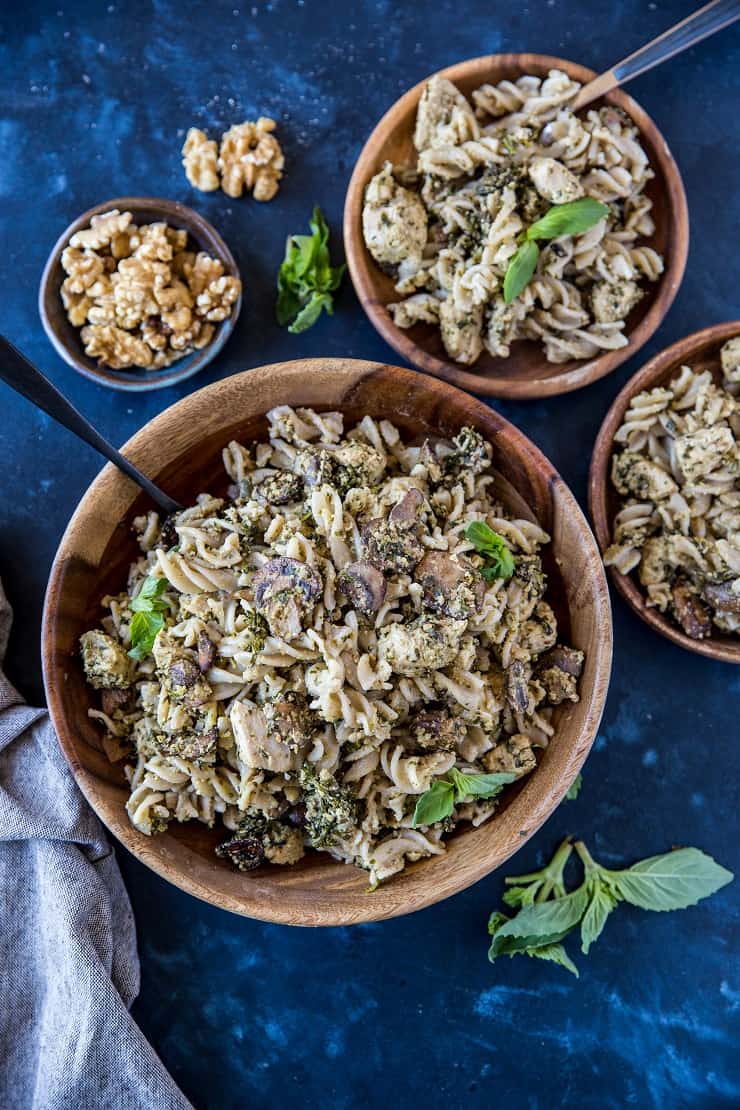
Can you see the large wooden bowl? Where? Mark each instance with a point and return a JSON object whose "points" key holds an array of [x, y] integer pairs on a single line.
{"points": [[700, 351], [181, 449], [526, 373]]}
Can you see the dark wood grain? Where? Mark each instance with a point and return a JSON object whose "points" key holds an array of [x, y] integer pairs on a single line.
{"points": [[526, 373], [66, 338], [182, 450], [700, 351]]}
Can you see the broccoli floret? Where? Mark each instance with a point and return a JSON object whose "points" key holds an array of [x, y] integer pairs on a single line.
{"points": [[331, 809]]}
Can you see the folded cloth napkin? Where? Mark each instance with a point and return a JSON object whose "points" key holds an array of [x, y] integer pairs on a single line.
{"points": [[70, 969]]}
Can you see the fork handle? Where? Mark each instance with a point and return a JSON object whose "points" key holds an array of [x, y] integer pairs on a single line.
{"points": [[26, 379], [697, 26]]}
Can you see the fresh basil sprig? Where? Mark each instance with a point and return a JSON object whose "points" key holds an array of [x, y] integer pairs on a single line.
{"points": [[147, 607], [572, 218], [443, 795], [306, 278], [495, 550], [548, 913]]}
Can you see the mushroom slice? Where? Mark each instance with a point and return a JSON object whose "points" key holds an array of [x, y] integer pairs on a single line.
{"points": [[206, 652], [363, 585], [437, 730], [284, 590], [450, 586], [114, 698], [690, 612], [406, 510], [187, 684], [723, 596], [517, 686], [565, 659]]}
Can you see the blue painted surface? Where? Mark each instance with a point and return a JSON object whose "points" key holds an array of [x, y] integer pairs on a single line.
{"points": [[96, 100]]}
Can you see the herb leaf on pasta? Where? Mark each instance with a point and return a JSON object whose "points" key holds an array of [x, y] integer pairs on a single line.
{"points": [[572, 218], [494, 548], [520, 270]]}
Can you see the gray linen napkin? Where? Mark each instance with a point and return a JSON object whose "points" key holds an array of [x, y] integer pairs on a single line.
{"points": [[69, 969]]}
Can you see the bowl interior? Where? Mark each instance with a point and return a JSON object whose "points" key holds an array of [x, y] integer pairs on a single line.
{"points": [[202, 236], [700, 351], [525, 373], [181, 449]]}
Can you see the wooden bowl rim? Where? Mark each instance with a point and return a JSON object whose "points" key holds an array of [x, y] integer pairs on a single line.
{"points": [[342, 909], [132, 381], [362, 268], [657, 369]]}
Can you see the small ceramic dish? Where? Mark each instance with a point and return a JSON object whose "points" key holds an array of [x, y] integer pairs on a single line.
{"points": [[525, 373], [181, 450], [700, 351], [66, 338]]}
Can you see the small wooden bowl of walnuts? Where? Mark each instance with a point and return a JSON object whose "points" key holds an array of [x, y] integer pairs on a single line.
{"points": [[139, 293]]}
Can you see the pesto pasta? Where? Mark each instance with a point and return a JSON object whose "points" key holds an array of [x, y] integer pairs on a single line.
{"points": [[303, 659], [447, 227]]}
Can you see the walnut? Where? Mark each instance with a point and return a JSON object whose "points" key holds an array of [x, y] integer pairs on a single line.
{"points": [[200, 159], [101, 231], [215, 302], [201, 272], [150, 300], [115, 347], [250, 158]]}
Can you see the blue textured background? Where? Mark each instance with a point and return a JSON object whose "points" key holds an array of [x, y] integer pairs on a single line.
{"points": [[96, 100]]}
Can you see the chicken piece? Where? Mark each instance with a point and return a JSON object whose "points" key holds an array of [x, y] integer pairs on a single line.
{"points": [[394, 222], [363, 585], [554, 181], [691, 614], [631, 473], [559, 684], [331, 808], [437, 730], [362, 464], [500, 329], [426, 644], [514, 755], [730, 358], [285, 590], [392, 545], [653, 564], [612, 301], [105, 662], [444, 117], [275, 737], [451, 585], [539, 632], [461, 331], [699, 453]]}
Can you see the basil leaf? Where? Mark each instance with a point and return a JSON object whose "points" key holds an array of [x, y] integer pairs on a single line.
{"points": [[670, 882], [568, 219], [435, 804], [556, 954], [479, 786], [306, 278], [575, 788], [147, 600], [594, 919], [144, 629], [504, 945], [494, 547], [310, 313], [544, 919], [520, 269]]}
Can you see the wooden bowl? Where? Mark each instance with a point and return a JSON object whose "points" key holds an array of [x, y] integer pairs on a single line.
{"points": [[181, 449], [526, 373], [700, 351], [66, 338]]}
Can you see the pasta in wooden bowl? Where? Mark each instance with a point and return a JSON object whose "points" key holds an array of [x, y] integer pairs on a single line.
{"points": [[448, 198], [328, 642]]}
